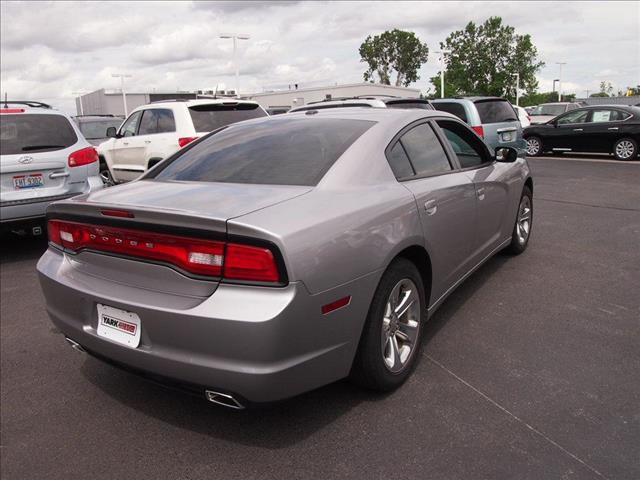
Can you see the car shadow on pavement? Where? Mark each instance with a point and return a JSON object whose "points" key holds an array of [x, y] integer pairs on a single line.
{"points": [[16, 248], [272, 426]]}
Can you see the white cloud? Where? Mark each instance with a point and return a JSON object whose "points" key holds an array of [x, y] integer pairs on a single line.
{"points": [[61, 47]]}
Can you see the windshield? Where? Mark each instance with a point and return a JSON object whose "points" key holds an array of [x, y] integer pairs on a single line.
{"points": [[207, 118], [551, 110], [98, 128], [291, 150], [34, 133]]}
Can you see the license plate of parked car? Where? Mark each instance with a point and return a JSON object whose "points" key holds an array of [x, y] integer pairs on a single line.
{"points": [[34, 180], [119, 326]]}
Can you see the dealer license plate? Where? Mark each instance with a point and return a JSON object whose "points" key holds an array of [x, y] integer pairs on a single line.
{"points": [[119, 326]]}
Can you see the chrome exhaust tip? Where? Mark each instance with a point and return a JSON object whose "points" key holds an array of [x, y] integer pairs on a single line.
{"points": [[223, 399], [75, 345]]}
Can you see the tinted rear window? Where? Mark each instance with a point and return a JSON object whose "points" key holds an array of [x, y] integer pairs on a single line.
{"points": [[207, 118], [404, 104], [495, 111], [453, 108], [95, 129], [24, 133], [286, 151]]}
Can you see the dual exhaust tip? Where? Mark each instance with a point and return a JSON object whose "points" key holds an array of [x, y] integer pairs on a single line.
{"points": [[219, 398]]}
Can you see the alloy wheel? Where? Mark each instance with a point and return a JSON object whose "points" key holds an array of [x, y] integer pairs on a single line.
{"points": [[523, 225], [533, 146], [624, 149], [400, 325]]}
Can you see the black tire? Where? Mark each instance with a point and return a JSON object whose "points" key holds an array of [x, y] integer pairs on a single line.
{"points": [[105, 174], [518, 244], [532, 139], [369, 369], [628, 153]]}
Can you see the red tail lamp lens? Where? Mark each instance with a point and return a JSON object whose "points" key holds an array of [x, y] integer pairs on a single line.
{"points": [[83, 157], [186, 140], [479, 130], [245, 262]]}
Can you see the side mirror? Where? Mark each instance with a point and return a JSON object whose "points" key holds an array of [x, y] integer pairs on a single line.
{"points": [[506, 154], [111, 132]]}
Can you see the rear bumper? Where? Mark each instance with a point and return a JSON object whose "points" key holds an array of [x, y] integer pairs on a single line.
{"points": [[261, 344]]}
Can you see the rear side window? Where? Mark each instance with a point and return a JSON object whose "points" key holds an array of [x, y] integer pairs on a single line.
{"points": [[207, 118], [495, 111], [456, 109], [24, 133], [399, 162], [282, 151], [425, 151], [598, 116], [157, 120]]}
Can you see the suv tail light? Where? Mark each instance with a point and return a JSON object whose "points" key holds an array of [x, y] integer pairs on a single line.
{"points": [[84, 156], [186, 140], [479, 130], [12, 110], [197, 256]]}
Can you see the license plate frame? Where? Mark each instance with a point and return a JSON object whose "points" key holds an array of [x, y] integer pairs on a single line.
{"points": [[28, 181], [119, 326]]}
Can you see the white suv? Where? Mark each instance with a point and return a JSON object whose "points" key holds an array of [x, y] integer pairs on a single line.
{"points": [[155, 131], [44, 157]]}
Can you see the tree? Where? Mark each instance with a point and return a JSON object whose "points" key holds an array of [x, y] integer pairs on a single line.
{"points": [[606, 88], [393, 50], [484, 59]]}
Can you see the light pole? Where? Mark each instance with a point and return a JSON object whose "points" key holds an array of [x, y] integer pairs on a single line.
{"points": [[79, 94], [554, 84], [517, 75], [236, 37], [442, 66], [124, 96], [560, 81]]}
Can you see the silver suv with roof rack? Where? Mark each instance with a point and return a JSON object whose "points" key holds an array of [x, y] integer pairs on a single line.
{"points": [[372, 101], [44, 157]]}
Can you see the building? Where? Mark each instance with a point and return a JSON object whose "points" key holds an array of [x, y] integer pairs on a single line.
{"points": [[631, 100], [285, 99], [109, 102]]}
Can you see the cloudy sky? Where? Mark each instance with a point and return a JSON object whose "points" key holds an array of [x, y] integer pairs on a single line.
{"points": [[51, 50]]}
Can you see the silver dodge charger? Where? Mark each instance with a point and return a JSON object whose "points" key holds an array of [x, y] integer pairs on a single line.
{"points": [[280, 254]]}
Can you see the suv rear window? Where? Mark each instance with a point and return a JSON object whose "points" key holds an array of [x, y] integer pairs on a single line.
{"points": [[495, 111], [24, 133], [283, 151], [456, 109], [207, 118]]}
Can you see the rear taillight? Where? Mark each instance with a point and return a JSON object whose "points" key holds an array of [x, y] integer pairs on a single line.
{"points": [[479, 130], [186, 140], [12, 110], [84, 156], [210, 258]]}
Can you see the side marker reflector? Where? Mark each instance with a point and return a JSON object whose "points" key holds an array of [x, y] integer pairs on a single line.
{"points": [[330, 307]]}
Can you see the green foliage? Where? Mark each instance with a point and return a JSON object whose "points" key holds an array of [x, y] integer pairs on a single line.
{"points": [[393, 50], [599, 94], [606, 88], [485, 58]]}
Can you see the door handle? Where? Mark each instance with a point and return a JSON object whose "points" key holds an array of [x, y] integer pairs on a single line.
{"points": [[430, 207], [147, 141], [577, 129], [59, 174], [125, 143], [480, 193], [612, 128]]}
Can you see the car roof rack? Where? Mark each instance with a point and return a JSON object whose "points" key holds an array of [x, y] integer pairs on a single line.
{"points": [[28, 103], [95, 115], [173, 100]]}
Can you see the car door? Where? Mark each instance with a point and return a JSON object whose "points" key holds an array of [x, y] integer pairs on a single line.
{"points": [[567, 132], [127, 149], [603, 128], [157, 132], [490, 179], [445, 199]]}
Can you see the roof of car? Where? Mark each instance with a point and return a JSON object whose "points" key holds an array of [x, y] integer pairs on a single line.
{"points": [[92, 118], [380, 115], [471, 99], [202, 101]]}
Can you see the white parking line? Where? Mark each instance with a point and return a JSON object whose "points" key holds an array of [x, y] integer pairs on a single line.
{"points": [[593, 160]]}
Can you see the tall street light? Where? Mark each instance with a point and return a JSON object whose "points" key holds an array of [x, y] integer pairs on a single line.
{"points": [[560, 80], [236, 37], [442, 67], [124, 96]]}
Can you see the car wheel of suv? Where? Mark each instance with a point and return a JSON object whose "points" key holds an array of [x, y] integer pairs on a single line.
{"points": [[534, 146], [390, 342], [625, 149], [524, 221]]}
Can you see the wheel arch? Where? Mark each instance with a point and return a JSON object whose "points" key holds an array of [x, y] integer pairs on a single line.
{"points": [[419, 256]]}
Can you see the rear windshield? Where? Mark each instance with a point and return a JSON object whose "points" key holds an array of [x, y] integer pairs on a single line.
{"points": [[286, 151], [207, 118], [23, 133], [405, 104], [98, 128], [453, 108], [495, 111]]}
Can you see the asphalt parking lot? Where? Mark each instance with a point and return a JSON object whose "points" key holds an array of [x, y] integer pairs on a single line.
{"points": [[531, 370]]}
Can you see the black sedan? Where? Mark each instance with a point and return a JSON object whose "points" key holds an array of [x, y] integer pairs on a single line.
{"points": [[611, 129]]}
